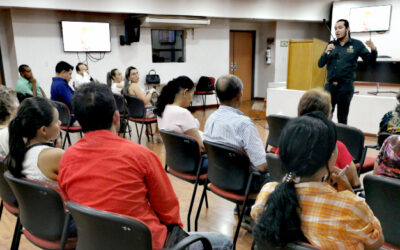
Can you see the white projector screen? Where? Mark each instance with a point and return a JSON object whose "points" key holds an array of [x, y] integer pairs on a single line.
{"points": [[86, 36], [366, 19]]}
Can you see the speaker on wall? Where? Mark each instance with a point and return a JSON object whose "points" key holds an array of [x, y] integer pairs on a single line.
{"points": [[132, 31]]}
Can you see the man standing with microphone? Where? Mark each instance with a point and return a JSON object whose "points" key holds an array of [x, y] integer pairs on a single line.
{"points": [[341, 57]]}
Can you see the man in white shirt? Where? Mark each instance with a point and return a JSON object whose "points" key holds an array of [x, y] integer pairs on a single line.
{"points": [[82, 75]]}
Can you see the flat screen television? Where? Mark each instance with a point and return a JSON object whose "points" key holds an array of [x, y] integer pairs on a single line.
{"points": [[373, 18], [86, 36]]}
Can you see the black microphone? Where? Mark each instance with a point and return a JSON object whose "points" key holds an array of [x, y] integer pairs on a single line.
{"points": [[330, 32]]}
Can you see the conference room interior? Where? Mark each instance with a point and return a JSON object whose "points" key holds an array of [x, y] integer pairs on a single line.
{"points": [[250, 39]]}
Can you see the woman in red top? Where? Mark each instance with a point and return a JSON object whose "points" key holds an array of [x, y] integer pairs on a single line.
{"points": [[319, 100]]}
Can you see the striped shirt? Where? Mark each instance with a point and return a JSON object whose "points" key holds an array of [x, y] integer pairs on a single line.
{"points": [[228, 125], [330, 219]]}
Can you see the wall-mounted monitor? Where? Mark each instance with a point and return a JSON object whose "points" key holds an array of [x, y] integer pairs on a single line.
{"points": [[86, 36], [373, 18]]}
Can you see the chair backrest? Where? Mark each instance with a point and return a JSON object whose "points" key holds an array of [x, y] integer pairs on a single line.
{"points": [[353, 138], [382, 196], [119, 100], [41, 209], [275, 169], [6, 193], [182, 152], [382, 137], [136, 108], [228, 167], [22, 96], [102, 230], [64, 114], [276, 123]]}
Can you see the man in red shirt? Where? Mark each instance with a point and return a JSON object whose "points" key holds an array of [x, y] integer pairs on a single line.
{"points": [[109, 173]]}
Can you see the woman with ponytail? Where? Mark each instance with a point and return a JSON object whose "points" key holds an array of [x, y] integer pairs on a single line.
{"points": [[171, 111], [31, 153], [114, 81], [314, 202]]}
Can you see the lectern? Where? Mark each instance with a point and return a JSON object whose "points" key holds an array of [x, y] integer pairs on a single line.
{"points": [[303, 71]]}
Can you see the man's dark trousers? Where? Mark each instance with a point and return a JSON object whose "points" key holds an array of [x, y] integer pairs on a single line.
{"points": [[341, 94]]}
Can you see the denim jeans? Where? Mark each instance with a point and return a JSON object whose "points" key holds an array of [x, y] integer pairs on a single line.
{"points": [[218, 241]]}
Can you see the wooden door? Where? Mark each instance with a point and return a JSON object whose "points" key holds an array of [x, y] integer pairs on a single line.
{"points": [[241, 59]]}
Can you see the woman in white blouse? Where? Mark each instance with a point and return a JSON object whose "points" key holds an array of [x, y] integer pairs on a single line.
{"points": [[171, 111]]}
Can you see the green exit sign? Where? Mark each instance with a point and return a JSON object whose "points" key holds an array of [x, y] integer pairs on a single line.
{"points": [[284, 43]]}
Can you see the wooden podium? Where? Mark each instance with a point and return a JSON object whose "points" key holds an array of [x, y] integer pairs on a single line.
{"points": [[303, 71]]}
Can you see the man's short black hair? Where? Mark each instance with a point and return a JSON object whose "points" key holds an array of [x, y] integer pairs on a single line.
{"points": [[79, 64], [63, 66], [228, 87], [22, 68], [94, 106]]}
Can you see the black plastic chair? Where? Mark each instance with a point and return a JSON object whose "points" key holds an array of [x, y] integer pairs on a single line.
{"points": [[65, 118], [184, 160], [22, 96], [230, 177], [382, 195], [41, 214], [99, 230], [276, 172], [9, 202], [204, 94], [137, 114], [123, 113], [276, 123], [353, 138]]}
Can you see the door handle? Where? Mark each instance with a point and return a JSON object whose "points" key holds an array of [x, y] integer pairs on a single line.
{"points": [[233, 66]]}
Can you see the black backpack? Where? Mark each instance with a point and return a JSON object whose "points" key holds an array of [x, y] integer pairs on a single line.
{"points": [[204, 84]]}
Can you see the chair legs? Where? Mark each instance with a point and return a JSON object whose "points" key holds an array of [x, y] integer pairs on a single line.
{"points": [[17, 235], [241, 212]]}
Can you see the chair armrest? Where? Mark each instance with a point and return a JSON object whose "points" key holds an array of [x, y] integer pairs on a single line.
{"points": [[372, 146], [190, 240]]}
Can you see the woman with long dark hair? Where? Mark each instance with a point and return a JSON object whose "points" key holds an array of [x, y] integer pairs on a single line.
{"points": [[31, 153], [132, 87], [115, 81], [314, 202], [171, 111]]}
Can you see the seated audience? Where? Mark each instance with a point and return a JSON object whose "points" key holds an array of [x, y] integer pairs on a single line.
{"points": [[314, 202], [27, 84], [60, 90], [32, 155], [320, 100], [114, 81], [107, 172], [82, 75], [388, 161], [391, 120], [132, 87], [8, 110], [229, 126], [171, 111]]}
